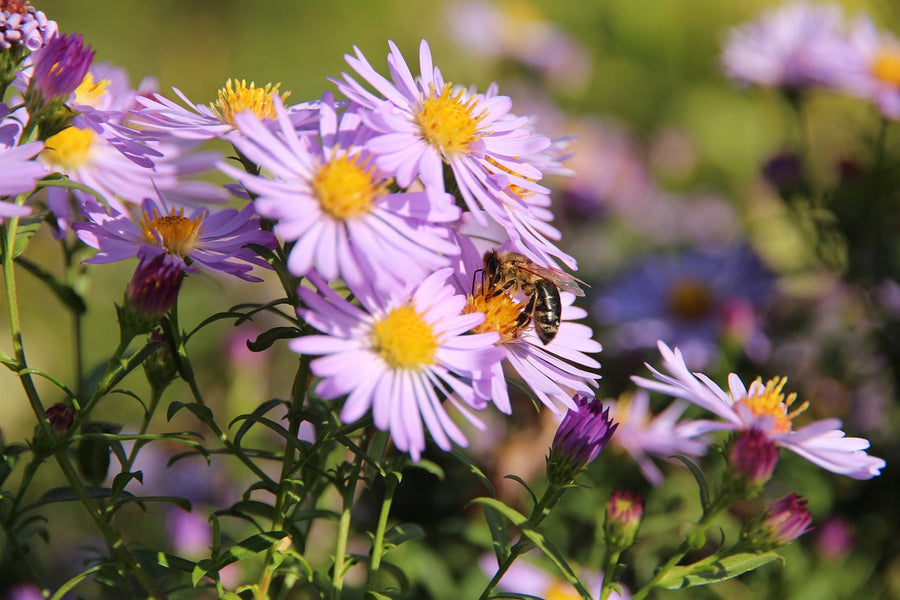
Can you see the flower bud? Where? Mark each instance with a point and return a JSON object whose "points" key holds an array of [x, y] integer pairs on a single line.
{"points": [[59, 68], [151, 293], [160, 367], [581, 437], [784, 521], [752, 457], [61, 417], [623, 517]]}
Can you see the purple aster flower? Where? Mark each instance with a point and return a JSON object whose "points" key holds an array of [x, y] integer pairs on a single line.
{"points": [[18, 175], [59, 67], [783, 522], [793, 46], [555, 371], [424, 122], [582, 435], [872, 66], [105, 97], [327, 194], [404, 355], [202, 122], [689, 299], [23, 25], [764, 407], [524, 577], [215, 241], [644, 435]]}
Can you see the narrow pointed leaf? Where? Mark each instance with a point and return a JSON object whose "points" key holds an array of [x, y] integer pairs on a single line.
{"points": [[726, 568]]}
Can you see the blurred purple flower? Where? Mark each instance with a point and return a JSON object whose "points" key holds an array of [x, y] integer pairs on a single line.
{"points": [[793, 46], [834, 539], [644, 435], [872, 66], [189, 533], [524, 577], [691, 299], [19, 174]]}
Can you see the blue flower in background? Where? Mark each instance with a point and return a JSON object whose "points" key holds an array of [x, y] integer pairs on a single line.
{"points": [[696, 299]]}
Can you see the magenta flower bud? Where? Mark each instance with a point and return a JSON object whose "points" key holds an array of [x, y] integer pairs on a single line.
{"points": [[623, 517], [59, 68], [61, 417], [752, 457], [581, 437], [787, 519], [154, 286]]}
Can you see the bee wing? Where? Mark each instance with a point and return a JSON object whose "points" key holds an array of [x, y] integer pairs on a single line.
{"points": [[560, 279]]}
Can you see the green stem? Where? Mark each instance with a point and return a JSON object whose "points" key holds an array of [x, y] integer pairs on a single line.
{"points": [[609, 567], [117, 547], [299, 389], [343, 535], [391, 481]]}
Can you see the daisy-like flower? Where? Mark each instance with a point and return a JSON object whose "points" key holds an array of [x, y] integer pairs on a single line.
{"points": [[19, 174], [554, 372], [202, 122], [693, 299], [645, 436], [423, 123], [216, 241], [793, 46], [404, 355], [873, 66], [764, 407], [327, 194]]}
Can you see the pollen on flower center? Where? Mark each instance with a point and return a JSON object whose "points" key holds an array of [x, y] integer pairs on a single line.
{"points": [[89, 92], [174, 232], [501, 314], [68, 149], [690, 299], [237, 97], [404, 340], [447, 122], [346, 187], [886, 66], [772, 403]]}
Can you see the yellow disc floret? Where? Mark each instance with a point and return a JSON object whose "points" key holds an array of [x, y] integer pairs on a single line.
{"points": [[89, 92], [68, 149], [447, 121], [178, 233], [772, 403], [886, 66], [561, 590], [501, 314], [238, 97], [404, 340], [346, 187]]}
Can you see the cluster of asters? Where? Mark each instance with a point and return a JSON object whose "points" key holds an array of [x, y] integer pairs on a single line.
{"points": [[802, 45], [395, 192]]}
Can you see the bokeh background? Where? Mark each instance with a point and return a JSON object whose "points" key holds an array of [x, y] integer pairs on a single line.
{"points": [[675, 165]]}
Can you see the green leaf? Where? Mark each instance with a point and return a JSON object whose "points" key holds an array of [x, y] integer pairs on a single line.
{"points": [[499, 535], [258, 412], [699, 476], [201, 411], [429, 467], [269, 337], [67, 494], [404, 532], [521, 482], [67, 586], [474, 470], [515, 596], [538, 539], [182, 503], [165, 559], [28, 226], [246, 548], [705, 573], [66, 294], [376, 596]]}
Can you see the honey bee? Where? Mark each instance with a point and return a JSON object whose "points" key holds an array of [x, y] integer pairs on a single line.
{"points": [[514, 272]]}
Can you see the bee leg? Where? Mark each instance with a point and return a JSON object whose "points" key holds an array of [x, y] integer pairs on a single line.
{"points": [[525, 316], [503, 288]]}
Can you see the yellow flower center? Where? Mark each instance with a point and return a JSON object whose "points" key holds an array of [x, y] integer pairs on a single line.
{"points": [[500, 314], [886, 66], [771, 402], [690, 299], [237, 97], [447, 121], [346, 187], [561, 590], [90, 93], [404, 340], [68, 149], [178, 233]]}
